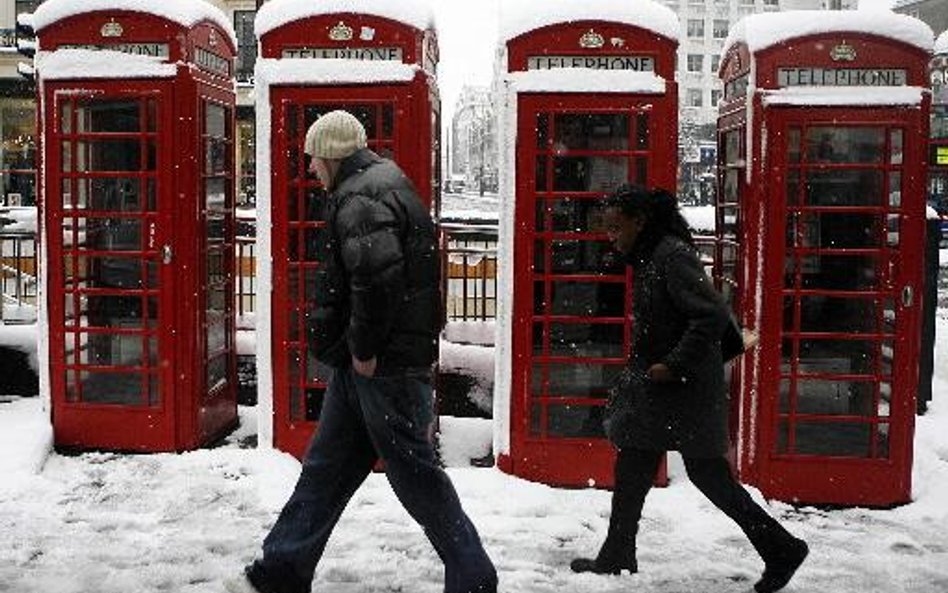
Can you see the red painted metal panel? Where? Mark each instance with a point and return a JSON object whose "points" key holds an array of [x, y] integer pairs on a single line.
{"points": [[125, 213], [86, 357], [564, 39], [400, 125], [566, 346], [314, 32], [875, 370]]}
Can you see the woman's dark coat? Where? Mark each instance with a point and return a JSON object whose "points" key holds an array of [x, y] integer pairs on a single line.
{"points": [[678, 319]]}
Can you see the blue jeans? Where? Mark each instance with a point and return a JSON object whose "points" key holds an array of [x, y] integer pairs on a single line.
{"points": [[364, 419]]}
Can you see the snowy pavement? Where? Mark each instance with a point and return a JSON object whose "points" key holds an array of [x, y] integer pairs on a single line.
{"points": [[107, 523], [110, 523]]}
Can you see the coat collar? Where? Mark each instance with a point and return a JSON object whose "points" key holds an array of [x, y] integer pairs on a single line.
{"points": [[358, 161]]}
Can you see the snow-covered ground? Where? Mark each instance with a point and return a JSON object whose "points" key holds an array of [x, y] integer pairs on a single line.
{"points": [[111, 523], [469, 205], [108, 523]]}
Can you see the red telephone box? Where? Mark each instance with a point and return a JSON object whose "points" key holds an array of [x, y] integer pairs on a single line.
{"points": [[137, 194], [380, 66], [822, 138], [593, 103]]}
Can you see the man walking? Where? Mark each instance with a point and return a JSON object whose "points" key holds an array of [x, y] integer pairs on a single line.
{"points": [[375, 321]]}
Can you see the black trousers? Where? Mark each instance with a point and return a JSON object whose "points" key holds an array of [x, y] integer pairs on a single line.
{"points": [[364, 419], [634, 473]]}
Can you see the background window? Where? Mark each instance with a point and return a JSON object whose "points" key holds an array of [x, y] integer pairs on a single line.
{"points": [[720, 28], [17, 152], [695, 27], [695, 62], [715, 97], [694, 98]]}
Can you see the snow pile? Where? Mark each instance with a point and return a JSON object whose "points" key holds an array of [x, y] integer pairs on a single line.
{"points": [[184, 12], [26, 440], [473, 361], [462, 439], [700, 218], [760, 31], [521, 16], [276, 13], [246, 342], [102, 522], [941, 44], [854, 95], [336, 71], [586, 80], [24, 219], [67, 64], [23, 338], [470, 332], [469, 206], [930, 470]]}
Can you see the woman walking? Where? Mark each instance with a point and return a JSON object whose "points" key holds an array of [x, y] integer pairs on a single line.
{"points": [[671, 396]]}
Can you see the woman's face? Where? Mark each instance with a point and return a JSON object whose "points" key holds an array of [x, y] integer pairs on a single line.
{"points": [[622, 230]]}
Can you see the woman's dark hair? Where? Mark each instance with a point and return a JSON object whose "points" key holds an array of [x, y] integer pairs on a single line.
{"points": [[657, 207]]}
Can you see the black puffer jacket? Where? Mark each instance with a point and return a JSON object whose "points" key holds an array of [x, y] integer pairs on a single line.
{"points": [[679, 319], [377, 290]]}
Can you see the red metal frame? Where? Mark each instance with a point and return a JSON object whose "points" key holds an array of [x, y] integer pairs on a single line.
{"points": [[408, 108], [174, 409], [79, 423], [214, 410], [729, 269], [586, 458], [404, 125], [884, 476], [536, 453], [794, 446]]}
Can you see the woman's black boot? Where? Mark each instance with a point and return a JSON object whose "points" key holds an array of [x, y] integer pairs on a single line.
{"points": [[592, 565], [608, 561]]}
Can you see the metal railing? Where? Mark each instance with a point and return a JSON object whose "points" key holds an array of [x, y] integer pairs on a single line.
{"points": [[18, 282], [246, 281], [470, 271]]}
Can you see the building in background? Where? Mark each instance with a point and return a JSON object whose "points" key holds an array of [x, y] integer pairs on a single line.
{"points": [[933, 13], [704, 27], [17, 114], [243, 13], [472, 156]]}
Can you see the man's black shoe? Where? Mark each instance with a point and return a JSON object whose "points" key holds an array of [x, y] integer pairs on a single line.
{"points": [[488, 586], [778, 572], [595, 566], [256, 579]]}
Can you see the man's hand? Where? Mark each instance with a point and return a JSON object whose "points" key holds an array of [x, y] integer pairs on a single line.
{"points": [[366, 368], [660, 373]]}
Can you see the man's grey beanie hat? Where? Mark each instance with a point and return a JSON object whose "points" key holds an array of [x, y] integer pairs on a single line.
{"points": [[335, 135]]}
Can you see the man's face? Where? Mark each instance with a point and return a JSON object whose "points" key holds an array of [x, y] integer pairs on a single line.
{"points": [[323, 171], [621, 229]]}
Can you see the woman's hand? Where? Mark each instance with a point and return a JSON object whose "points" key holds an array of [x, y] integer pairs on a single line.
{"points": [[660, 373]]}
